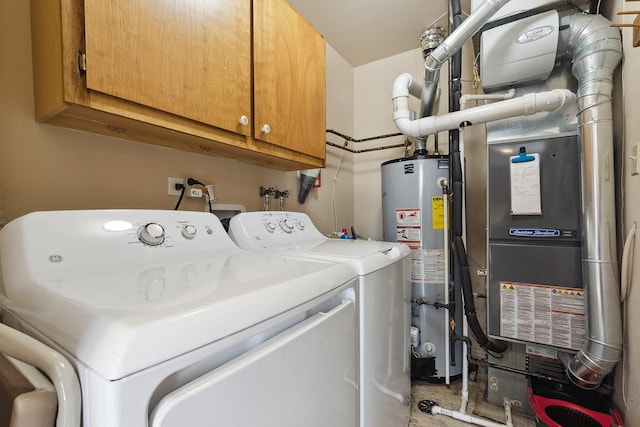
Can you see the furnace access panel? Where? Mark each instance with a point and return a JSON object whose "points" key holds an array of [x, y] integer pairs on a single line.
{"points": [[534, 226]]}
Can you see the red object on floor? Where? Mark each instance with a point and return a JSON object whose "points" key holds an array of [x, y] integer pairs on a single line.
{"points": [[563, 405]]}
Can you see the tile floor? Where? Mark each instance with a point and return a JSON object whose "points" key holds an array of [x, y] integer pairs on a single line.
{"points": [[448, 397]]}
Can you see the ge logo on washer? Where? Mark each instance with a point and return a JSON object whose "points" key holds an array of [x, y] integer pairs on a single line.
{"points": [[55, 258]]}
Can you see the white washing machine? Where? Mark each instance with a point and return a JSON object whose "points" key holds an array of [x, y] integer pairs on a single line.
{"points": [[384, 295], [169, 324]]}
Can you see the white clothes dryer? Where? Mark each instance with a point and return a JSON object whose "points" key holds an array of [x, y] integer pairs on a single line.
{"points": [[384, 296], [169, 324]]}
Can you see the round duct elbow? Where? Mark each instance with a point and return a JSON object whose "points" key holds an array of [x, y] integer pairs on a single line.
{"points": [[588, 372]]}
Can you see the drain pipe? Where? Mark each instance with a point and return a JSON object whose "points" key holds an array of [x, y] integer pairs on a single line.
{"points": [[596, 50], [470, 419], [561, 100]]}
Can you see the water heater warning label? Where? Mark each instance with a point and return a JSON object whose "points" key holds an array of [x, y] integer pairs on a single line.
{"points": [[542, 314], [409, 227], [437, 212], [427, 266]]}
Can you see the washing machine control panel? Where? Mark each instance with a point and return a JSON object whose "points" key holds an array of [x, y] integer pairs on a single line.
{"points": [[151, 234], [260, 230], [93, 238]]}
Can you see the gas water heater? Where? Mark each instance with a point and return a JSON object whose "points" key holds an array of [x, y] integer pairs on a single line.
{"points": [[413, 213]]}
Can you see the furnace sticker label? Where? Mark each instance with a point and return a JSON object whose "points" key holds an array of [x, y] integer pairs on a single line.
{"points": [[542, 314]]}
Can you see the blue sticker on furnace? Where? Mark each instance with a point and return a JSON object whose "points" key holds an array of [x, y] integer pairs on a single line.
{"points": [[534, 232]]}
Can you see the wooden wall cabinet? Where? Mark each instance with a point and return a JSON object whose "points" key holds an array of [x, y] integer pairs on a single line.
{"points": [[228, 78]]}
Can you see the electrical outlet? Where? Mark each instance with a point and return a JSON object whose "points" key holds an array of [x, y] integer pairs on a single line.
{"points": [[171, 186]]}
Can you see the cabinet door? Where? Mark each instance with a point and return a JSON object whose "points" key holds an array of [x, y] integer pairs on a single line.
{"points": [[289, 79], [191, 58]]}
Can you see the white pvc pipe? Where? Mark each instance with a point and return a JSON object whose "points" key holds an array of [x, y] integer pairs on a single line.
{"points": [[447, 337], [26, 349], [526, 105], [437, 410], [464, 398], [405, 85], [486, 97]]}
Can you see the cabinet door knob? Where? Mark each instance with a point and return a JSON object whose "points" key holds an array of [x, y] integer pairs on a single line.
{"points": [[266, 128], [244, 120]]}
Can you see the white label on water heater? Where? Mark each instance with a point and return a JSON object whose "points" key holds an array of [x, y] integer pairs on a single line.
{"points": [[427, 266], [409, 227], [542, 314]]}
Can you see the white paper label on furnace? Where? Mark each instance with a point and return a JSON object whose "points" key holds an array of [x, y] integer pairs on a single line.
{"points": [[542, 314], [525, 186]]}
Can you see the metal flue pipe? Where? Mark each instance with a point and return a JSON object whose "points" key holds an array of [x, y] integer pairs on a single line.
{"points": [[437, 57], [596, 50]]}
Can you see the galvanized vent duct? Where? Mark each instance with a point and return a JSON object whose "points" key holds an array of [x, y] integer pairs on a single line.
{"points": [[445, 50], [596, 50]]}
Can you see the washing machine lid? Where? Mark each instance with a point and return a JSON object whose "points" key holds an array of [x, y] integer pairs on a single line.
{"points": [[294, 234], [120, 322], [118, 319]]}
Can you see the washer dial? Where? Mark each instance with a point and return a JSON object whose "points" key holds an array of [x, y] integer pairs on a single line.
{"points": [[151, 234]]}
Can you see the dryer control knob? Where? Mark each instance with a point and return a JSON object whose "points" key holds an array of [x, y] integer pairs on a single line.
{"points": [[286, 225], [151, 234], [189, 231]]}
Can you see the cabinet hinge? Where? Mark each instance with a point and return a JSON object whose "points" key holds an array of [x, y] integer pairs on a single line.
{"points": [[81, 59]]}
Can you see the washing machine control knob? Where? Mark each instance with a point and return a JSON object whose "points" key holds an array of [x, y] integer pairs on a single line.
{"points": [[270, 226], [189, 231], [300, 225], [151, 234], [286, 225]]}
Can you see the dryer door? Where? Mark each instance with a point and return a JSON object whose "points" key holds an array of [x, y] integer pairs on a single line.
{"points": [[304, 376]]}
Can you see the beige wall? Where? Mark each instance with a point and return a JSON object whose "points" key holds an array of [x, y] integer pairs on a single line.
{"points": [[336, 192], [374, 116], [628, 378], [46, 168]]}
